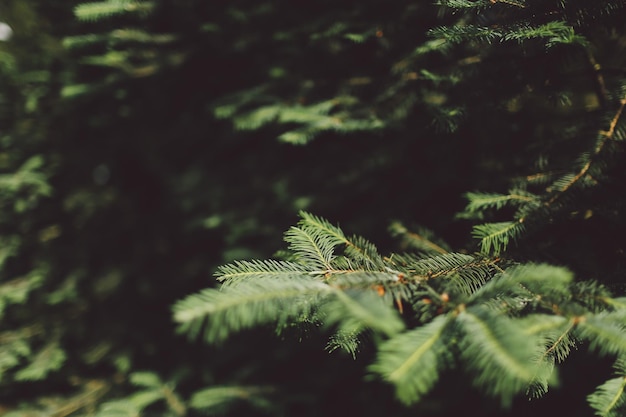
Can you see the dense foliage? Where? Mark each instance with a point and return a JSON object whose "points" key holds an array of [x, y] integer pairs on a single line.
{"points": [[148, 147]]}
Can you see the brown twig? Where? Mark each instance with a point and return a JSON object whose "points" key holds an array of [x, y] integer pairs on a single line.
{"points": [[600, 85], [94, 390], [509, 2], [606, 136]]}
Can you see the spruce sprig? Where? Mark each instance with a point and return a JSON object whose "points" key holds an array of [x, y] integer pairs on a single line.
{"points": [[508, 327]]}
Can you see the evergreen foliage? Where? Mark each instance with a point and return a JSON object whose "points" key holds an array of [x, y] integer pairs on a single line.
{"points": [[507, 328], [145, 143], [608, 400]]}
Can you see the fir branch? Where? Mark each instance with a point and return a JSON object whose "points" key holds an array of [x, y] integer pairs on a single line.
{"points": [[21, 334], [119, 408], [618, 303], [413, 360], [116, 37], [472, 277], [246, 305], [50, 358], [554, 334], [173, 401], [499, 351], [364, 253], [605, 334], [609, 399], [238, 271], [604, 137], [328, 115], [100, 10], [442, 265], [93, 391], [526, 281], [12, 353], [257, 118], [495, 237], [465, 4], [559, 341], [311, 247], [467, 272], [552, 33], [357, 248], [592, 295], [359, 279], [145, 379], [479, 202], [78, 41], [332, 232], [516, 3], [17, 290], [215, 400], [420, 241], [389, 285], [348, 341], [354, 312]]}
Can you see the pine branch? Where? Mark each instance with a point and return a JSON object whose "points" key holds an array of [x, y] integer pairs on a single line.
{"points": [[420, 241], [100, 10], [345, 340], [364, 254], [357, 248], [360, 279], [495, 237], [312, 119], [240, 271], [215, 400], [553, 333], [471, 278], [312, 247], [117, 37], [560, 343], [479, 202], [499, 352], [605, 136], [17, 290], [605, 333], [354, 312], [248, 304], [50, 358], [609, 399], [526, 281], [93, 391], [442, 265], [516, 3], [618, 303], [594, 296], [466, 4], [412, 360], [555, 32]]}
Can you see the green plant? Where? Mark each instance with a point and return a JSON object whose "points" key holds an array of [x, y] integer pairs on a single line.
{"points": [[506, 321], [507, 324], [138, 153]]}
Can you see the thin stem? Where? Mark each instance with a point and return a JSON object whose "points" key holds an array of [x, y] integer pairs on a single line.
{"points": [[606, 136], [95, 390], [509, 2], [427, 242], [601, 91]]}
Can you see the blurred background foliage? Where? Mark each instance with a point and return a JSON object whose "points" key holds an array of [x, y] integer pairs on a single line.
{"points": [[142, 144]]}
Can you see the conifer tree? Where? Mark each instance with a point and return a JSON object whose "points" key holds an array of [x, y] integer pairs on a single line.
{"points": [[144, 143], [507, 322]]}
